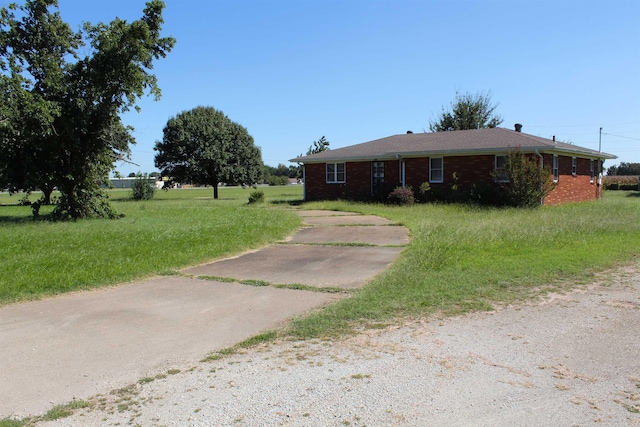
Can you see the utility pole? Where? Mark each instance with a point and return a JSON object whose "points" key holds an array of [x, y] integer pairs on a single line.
{"points": [[600, 142], [599, 182]]}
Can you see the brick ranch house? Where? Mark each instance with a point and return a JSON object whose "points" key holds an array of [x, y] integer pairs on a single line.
{"points": [[466, 159]]}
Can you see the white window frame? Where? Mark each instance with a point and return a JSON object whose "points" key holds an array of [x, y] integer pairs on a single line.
{"points": [[556, 171], [432, 169], [592, 171], [499, 171], [574, 166], [333, 176]]}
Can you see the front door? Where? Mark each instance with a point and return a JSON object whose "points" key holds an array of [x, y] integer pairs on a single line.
{"points": [[377, 178]]}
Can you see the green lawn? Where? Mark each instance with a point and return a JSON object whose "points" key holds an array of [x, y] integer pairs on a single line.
{"points": [[460, 258], [176, 229]]}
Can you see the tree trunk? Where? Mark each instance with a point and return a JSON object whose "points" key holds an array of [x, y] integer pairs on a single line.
{"points": [[69, 205], [46, 194], [215, 191], [73, 205]]}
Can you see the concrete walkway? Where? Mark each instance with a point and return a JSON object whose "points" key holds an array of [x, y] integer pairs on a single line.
{"points": [[79, 345]]}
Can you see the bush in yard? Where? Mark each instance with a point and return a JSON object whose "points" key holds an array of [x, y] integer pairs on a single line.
{"points": [[402, 196], [143, 188], [423, 192], [483, 193], [526, 184], [256, 197]]}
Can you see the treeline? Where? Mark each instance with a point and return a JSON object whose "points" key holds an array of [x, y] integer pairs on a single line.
{"points": [[624, 169], [280, 174]]}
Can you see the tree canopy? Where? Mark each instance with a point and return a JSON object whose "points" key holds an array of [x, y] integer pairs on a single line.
{"points": [[62, 96], [468, 111], [203, 146], [318, 146]]}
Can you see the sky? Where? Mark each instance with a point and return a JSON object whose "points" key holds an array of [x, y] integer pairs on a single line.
{"points": [[354, 71]]}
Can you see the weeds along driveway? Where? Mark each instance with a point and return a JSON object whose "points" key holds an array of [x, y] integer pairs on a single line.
{"points": [[79, 345]]}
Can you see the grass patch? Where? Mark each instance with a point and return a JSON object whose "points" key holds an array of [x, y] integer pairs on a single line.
{"points": [[262, 283], [219, 354], [465, 258], [258, 339], [248, 343], [66, 410], [325, 289], [55, 413], [159, 236], [360, 376]]}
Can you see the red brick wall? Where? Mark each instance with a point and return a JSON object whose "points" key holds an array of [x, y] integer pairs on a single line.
{"points": [[470, 170], [572, 188], [358, 184]]}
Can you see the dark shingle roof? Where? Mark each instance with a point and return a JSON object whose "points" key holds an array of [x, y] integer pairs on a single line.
{"points": [[461, 142]]}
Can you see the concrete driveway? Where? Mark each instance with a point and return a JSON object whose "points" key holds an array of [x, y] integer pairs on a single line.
{"points": [[75, 346]]}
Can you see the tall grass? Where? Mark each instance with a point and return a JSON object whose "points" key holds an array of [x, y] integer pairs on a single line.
{"points": [[466, 258], [176, 229]]}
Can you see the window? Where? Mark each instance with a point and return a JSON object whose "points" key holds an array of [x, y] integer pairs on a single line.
{"points": [[500, 174], [574, 166], [592, 171], [335, 173], [556, 174], [436, 169]]}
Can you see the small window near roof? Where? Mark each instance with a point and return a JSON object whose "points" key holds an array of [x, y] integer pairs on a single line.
{"points": [[436, 169], [592, 171], [574, 166], [556, 173], [336, 173], [500, 173]]}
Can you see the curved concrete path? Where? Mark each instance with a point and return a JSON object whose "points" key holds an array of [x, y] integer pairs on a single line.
{"points": [[76, 346]]}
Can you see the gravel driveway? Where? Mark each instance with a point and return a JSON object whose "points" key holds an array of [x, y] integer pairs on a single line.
{"points": [[565, 360]]}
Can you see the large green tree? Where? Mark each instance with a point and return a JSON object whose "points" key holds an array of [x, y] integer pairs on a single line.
{"points": [[203, 146], [63, 93], [468, 111]]}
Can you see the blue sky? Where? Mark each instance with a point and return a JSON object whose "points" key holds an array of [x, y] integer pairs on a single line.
{"points": [[354, 71]]}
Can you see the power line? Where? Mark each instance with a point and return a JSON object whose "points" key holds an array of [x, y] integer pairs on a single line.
{"points": [[620, 136], [580, 126]]}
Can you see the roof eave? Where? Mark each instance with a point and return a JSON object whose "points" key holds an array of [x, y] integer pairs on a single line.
{"points": [[567, 150]]}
